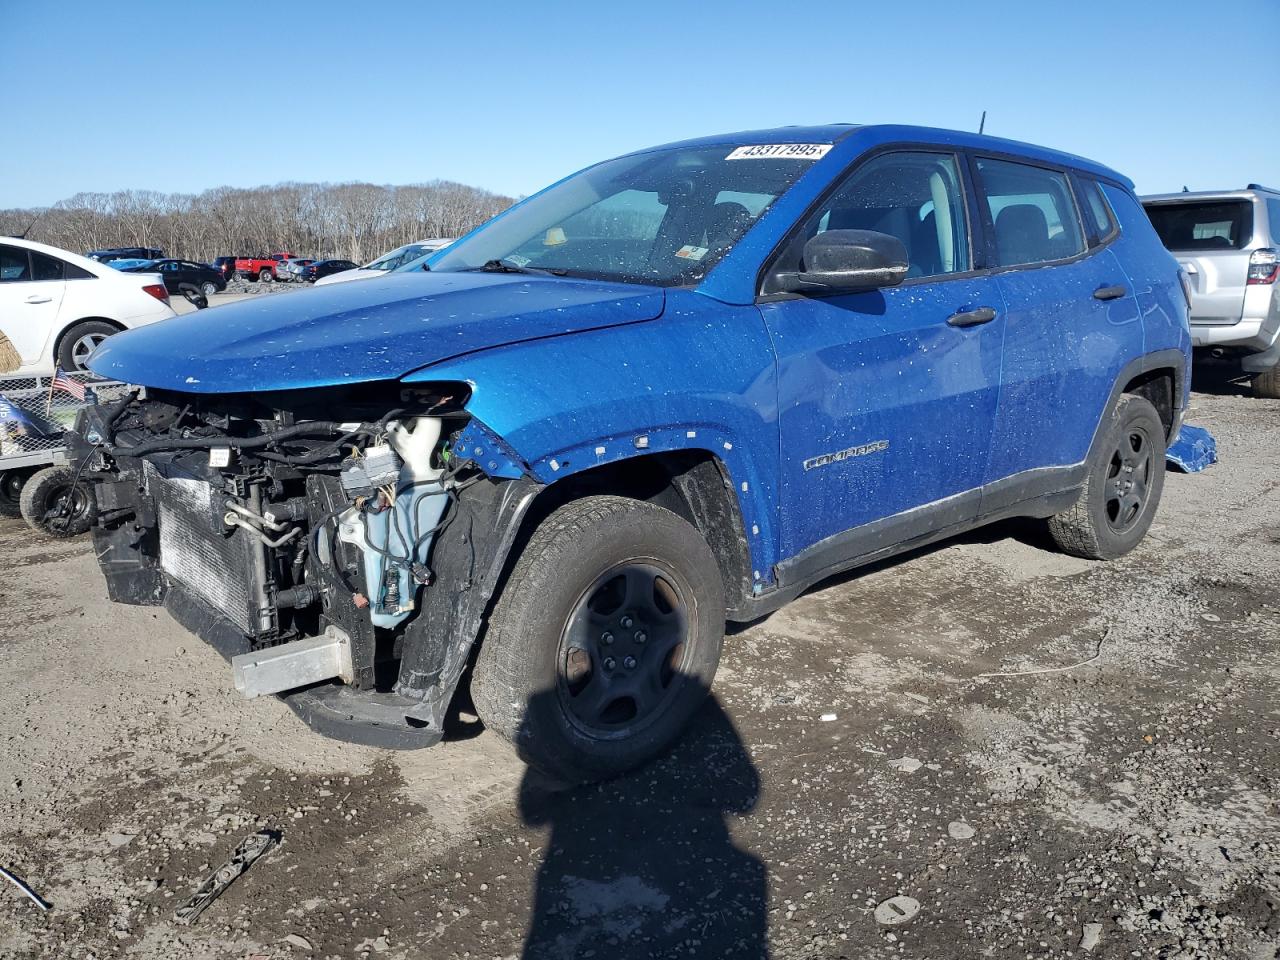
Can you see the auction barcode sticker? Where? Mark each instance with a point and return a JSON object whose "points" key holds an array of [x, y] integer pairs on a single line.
{"points": [[784, 151]]}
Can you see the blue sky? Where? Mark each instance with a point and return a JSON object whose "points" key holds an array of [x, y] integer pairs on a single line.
{"points": [[184, 96]]}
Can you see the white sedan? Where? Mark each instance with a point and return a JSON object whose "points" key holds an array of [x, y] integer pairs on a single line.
{"points": [[57, 306], [388, 261]]}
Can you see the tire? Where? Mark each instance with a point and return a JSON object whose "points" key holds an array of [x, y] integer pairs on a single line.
{"points": [[1123, 483], [1267, 384], [266, 276], [43, 499], [79, 341], [11, 483], [555, 683], [208, 288]]}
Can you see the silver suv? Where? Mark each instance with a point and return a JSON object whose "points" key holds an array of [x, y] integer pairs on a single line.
{"points": [[1227, 242]]}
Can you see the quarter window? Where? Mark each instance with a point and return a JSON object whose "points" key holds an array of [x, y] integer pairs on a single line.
{"points": [[1273, 214], [1031, 209], [915, 197], [1096, 211]]}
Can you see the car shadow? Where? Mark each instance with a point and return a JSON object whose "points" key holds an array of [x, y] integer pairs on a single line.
{"points": [[645, 865], [1220, 377]]}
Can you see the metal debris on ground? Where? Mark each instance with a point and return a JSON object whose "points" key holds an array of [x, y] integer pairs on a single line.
{"points": [[1192, 450], [30, 894], [896, 910], [249, 850]]}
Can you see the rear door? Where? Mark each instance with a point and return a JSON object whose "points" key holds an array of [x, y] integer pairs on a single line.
{"points": [[1208, 238], [884, 405], [31, 292], [1071, 322]]}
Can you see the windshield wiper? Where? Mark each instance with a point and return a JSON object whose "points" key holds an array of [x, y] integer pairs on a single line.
{"points": [[506, 266]]}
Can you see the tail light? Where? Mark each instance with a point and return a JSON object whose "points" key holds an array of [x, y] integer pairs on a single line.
{"points": [[158, 291], [1264, 267], [1185, 279]]}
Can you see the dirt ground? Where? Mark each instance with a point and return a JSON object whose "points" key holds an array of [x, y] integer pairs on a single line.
{"points": [[856, 749]]}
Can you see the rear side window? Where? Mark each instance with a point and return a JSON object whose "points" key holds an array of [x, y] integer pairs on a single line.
{"points": [[1097, 213], [1204, 224], [45, 267], [1273, 214], [1032, 212]]}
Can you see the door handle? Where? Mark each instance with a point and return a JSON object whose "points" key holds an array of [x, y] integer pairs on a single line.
{"points": [[1110, 293], [971, 318], [34, 298]]}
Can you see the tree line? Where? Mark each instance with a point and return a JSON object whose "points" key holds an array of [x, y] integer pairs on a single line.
{"points": [[352, 221]]}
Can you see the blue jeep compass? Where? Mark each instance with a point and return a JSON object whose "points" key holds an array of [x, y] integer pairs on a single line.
{"points": [[678, 387]]}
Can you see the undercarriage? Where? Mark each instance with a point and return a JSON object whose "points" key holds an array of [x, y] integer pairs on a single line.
{"points": [[338, 545]]}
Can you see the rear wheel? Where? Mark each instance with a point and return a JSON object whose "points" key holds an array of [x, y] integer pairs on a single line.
{"points": [[1267, 384], [52, 505], [11, 482], [604, 641], [266, 276], [1122, 486], [208, 288], [80, 341]]}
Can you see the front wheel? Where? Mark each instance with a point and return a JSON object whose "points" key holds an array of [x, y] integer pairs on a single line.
{"points": [[604, 640], [52, 503], [208, 288], [1123, 483]]}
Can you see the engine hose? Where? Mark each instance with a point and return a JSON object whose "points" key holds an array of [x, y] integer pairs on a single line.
{"points": [[240, 443]]}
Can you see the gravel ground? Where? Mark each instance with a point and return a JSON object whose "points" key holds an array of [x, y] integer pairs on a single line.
{"points": [[857, 749]]}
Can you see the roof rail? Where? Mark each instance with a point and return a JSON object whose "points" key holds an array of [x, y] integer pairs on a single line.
{"points": [[1258, 186]]}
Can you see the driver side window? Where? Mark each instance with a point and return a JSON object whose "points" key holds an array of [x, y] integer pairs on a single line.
{"points": [[913, 196]]}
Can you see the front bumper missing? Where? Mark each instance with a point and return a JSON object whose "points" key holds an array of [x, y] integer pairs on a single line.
{"points": [[355, 716]]}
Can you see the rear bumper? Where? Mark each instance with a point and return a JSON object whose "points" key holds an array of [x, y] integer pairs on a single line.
{"points": [[1251, 333]]}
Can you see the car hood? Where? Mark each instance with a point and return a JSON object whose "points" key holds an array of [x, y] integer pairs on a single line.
{"points": [[360, 332]]}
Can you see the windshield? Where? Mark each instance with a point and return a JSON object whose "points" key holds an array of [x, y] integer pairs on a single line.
{"points": [[397, 257], [1203, 225], [663, 218]]}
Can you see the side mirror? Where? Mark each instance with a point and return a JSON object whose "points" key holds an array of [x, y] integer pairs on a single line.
{"points": [[848, 261]]}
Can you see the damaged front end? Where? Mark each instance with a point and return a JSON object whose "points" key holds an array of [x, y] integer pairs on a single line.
{"points": [[338, 545]]}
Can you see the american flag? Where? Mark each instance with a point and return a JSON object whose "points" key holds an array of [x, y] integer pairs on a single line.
{"points": [[63, 382]]}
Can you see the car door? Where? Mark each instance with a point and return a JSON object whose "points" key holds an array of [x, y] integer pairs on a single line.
{"points": [[31, 292], [886, 398], [1071, 324]]}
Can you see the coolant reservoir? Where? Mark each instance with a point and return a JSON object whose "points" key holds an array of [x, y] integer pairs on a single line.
{"points": [[419, 505]]}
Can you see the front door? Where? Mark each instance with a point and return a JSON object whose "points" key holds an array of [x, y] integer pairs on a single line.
{"points": [[886, 398]]}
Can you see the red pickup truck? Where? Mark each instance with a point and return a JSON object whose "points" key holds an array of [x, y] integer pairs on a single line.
{"points": [[260, 268]]}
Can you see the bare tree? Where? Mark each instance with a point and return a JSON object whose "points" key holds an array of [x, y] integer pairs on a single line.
{"points": [[355, 221]]}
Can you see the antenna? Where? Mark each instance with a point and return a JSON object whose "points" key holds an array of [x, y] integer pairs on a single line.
{"points": [[23, 234], [983, 122]]}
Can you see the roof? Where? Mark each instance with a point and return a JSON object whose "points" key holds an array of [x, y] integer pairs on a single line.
{"points": [[875, 134], [1244, 194]]}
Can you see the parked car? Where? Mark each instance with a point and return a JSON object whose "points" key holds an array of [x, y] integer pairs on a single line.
{"points": [[1228, 242], [57, 306], [394, 260], [126, 253], [320, 269], [225, 266], [127, 263], [680, 386], [263, 269], [291, 269], [184, 274]]}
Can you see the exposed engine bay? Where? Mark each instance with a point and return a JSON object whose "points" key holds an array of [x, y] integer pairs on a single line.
{"points": [[336, 544]]}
